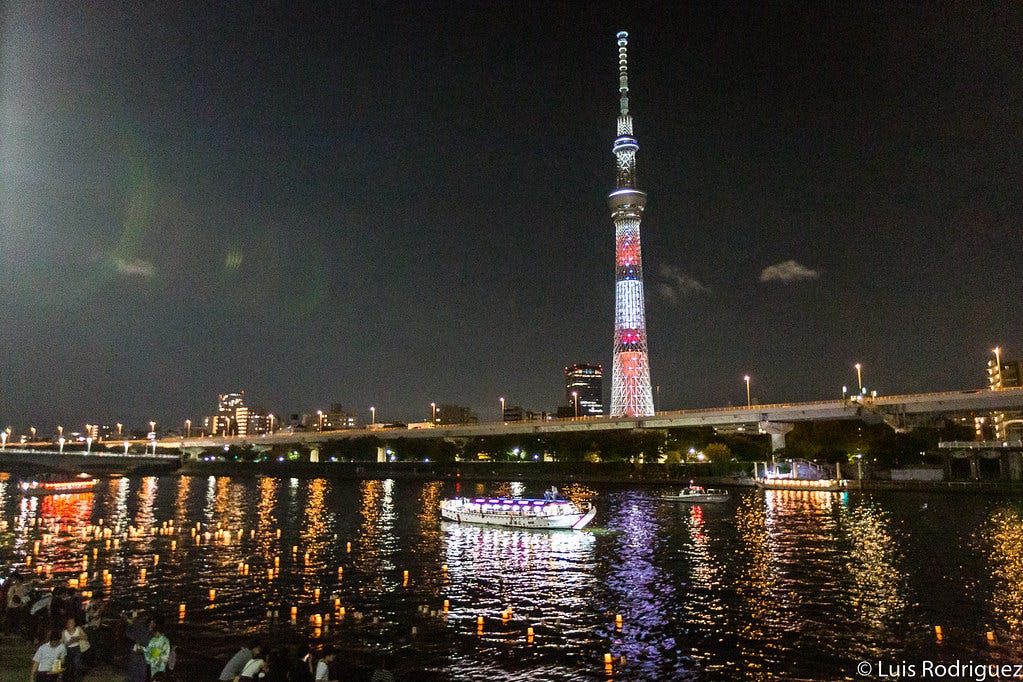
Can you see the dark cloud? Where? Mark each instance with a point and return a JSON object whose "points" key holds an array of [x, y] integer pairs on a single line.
{"points": [[675, 285]]}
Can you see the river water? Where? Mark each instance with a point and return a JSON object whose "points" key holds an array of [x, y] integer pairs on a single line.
{"points": [[768, 585]]}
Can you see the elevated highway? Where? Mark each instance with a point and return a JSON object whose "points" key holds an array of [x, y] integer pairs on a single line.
{"points": [[775, 419], [73, 461]]}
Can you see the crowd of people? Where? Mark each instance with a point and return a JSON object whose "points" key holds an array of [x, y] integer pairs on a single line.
{"points": [[68, 625], [61, 618], [257, 663]]}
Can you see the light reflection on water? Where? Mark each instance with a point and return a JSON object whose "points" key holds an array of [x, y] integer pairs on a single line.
{"points": [[782, 584], [1003, 542]]}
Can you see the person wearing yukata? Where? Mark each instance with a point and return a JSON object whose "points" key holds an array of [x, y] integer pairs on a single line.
{"points": [[158, 648]]}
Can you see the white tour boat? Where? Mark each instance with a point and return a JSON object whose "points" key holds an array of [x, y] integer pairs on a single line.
{"points": [[517, 512], [695, 493]]}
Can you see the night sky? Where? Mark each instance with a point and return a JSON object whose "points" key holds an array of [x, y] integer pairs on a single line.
{"points": [[394, 204]]}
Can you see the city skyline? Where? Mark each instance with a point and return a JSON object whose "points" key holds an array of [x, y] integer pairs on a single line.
{"points": [[397, 206]]}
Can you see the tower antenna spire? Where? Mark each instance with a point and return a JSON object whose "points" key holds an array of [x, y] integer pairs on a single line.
{"points": [[623, 71]]}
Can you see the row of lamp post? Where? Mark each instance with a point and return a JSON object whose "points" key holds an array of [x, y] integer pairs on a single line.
{"points": [[859, 381], [4, 435]]}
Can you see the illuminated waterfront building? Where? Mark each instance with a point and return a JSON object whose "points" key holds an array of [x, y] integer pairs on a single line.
{"points": [[1004, 374], [584, 384], [232, 417], [259, 421], [630, 374]]}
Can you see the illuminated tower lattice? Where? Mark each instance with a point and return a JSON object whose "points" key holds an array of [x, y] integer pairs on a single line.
{"points": [[630, 378]]}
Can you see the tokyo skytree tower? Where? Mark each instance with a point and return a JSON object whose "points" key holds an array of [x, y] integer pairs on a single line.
{"points": [[630, 379]]}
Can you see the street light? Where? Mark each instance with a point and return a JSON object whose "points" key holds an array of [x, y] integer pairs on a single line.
{"points": [[575, 401], [749, 403], [319, 420], [152, 428], [502, 408], [33, 430], [3, 438], [60, 442], [60, 431], [373, 415], [859, 376], [120, 428], [433, 409], [88, 444], [188, 428]]}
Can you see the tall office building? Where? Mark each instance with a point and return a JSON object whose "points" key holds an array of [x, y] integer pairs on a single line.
{"points": [[630, 374], [584, 390], [232, 417]]}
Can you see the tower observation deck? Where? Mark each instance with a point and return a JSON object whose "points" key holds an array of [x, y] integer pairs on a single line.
{"points": [[631, 395]]}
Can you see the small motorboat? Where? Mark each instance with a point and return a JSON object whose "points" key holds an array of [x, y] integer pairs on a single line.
{"points": [[82, 483], [696, 493], [517, 512]]}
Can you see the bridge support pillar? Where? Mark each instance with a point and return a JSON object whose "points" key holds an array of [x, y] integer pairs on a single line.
{"points": [[193, 453], [314, 453], [777, 431], [1015, 466]]}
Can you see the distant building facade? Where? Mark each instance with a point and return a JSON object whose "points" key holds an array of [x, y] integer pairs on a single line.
{"points": [[1003, 374], [454, 414], [337, 419], [513, 413], [584, 391], [260, 421], [232, 417]]}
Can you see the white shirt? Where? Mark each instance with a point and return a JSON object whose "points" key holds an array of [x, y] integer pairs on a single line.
{"points": [[47, 655], [82, 643], [322, 671], [253, 667]]}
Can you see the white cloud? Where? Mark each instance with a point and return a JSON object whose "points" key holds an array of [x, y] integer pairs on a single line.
{"points": [[135, 267], [675, 285], [787, 271]]}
